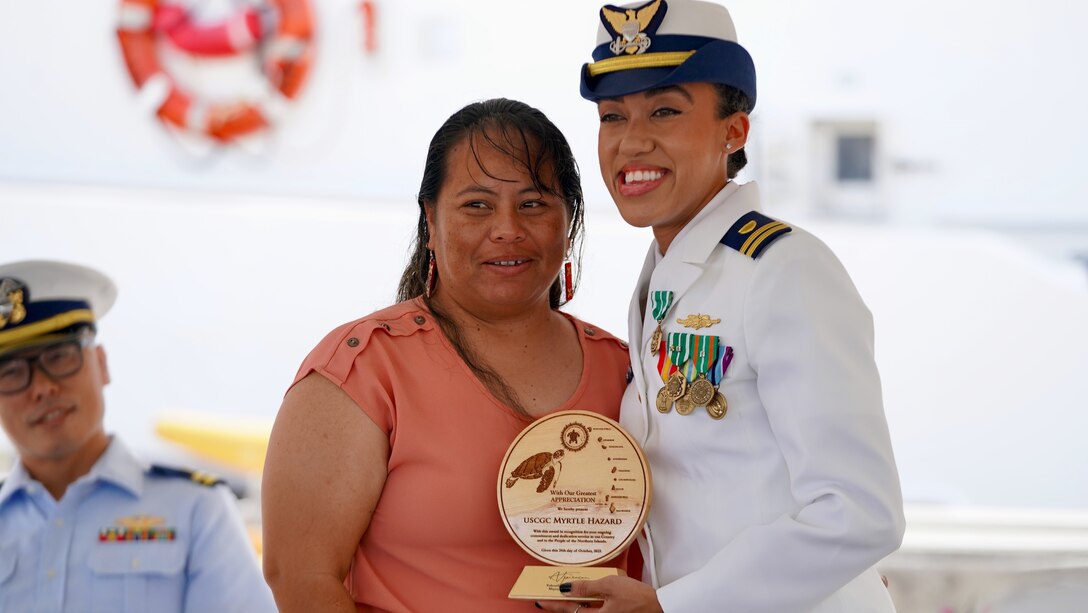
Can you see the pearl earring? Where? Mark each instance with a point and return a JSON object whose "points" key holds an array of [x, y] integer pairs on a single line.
{"points": [[728, 146]]}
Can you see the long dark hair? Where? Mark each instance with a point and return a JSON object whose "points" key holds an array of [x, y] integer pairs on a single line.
{"points": [[529, 138]]}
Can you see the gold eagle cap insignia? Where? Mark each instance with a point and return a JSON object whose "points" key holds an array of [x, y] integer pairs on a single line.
{"points": [[698, 321], [629, 25], [12, 309]]}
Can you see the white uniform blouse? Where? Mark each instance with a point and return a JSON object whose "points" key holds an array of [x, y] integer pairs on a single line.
{"points": [[786, 503]]}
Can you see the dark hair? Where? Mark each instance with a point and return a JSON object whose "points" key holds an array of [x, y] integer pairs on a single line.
{"points": [[732, 100], [529, 138]]}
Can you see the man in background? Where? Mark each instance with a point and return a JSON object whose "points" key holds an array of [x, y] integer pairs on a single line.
{"points": [[84, 525]]}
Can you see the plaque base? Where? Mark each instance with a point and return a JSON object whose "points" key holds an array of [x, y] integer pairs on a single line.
{"points": [[542, 582]]}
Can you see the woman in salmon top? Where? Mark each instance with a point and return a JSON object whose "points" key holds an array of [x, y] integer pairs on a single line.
{"points": [[379, 487]]}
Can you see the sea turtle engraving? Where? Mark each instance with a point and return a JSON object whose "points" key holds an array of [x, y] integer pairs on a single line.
{"points": [[544, 466]]}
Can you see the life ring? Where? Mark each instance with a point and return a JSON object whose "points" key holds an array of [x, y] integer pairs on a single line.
{"points": [[283, 28]]}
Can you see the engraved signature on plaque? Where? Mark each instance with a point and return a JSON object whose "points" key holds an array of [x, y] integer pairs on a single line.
{"points": [[563, 577]]}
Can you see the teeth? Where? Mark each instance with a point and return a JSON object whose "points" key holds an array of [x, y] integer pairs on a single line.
{"points": [[636, 176], [52, 415], [508, 262]]}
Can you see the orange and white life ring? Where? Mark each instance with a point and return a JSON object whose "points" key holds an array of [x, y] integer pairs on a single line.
{"points": [[284, 30]]}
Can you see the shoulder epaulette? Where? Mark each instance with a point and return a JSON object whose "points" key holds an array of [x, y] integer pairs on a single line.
{"points": [[403, 324], [196, 476], [753, 233]]}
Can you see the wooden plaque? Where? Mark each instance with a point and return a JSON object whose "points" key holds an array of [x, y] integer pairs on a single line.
{"points": [[574, 491]]}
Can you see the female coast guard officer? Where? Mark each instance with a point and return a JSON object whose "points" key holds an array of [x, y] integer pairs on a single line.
{"points": [[755, 393], [84, 525]]}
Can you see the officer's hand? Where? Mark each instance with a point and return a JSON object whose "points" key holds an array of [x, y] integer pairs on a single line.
{"points": [[620, 594]]}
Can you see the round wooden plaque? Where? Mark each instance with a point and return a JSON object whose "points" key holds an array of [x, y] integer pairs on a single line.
{"points": [[574, 489]]}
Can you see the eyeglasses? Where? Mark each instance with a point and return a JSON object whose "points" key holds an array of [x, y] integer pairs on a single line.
{"points": [[58, 361]]}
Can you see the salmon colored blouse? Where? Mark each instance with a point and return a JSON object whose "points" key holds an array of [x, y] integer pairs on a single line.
{"points": [[436, 541]]}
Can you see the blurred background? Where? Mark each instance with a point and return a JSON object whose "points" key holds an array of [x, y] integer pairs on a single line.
{"points": [[937, 146]]}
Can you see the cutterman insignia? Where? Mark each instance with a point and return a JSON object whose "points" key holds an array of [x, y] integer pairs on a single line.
{"points": [[698, 321], [140, 522], [753, 233]]}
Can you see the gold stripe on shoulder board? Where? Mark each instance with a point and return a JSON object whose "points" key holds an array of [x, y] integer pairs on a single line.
{"points": [[749, 247]]}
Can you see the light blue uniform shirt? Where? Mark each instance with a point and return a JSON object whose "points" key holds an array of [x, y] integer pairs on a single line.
{"points": [[52, 558]]}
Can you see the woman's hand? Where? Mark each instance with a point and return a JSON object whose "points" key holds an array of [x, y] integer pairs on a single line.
{"points": [[620, 595]]}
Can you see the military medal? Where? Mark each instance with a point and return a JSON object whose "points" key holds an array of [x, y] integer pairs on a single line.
{"points": [[684, 404], [701, 391], [681, 346], [655, 340], [676, 386], [664, 403], [661, 301], [717, 406], [667, 370]]}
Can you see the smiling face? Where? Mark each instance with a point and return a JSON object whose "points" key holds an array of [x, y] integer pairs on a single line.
{"points": [[59, 421], [498, 239], [663, 154]]}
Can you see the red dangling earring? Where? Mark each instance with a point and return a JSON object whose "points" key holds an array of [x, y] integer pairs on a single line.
{"points": [[432, 274], [568, 280]]}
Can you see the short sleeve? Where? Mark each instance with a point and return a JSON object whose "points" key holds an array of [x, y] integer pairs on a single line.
{"points": [[362, 358]]}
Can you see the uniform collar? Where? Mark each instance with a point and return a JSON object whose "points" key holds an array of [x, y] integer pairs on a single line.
{"points": [[699, 237], [117, 466]]}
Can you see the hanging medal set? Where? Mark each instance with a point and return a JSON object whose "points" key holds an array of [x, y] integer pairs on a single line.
{"points": [[691, 365]]}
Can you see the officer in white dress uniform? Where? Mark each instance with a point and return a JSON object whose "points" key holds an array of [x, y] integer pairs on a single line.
{"points": [[84, 525], [755, 393]]}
